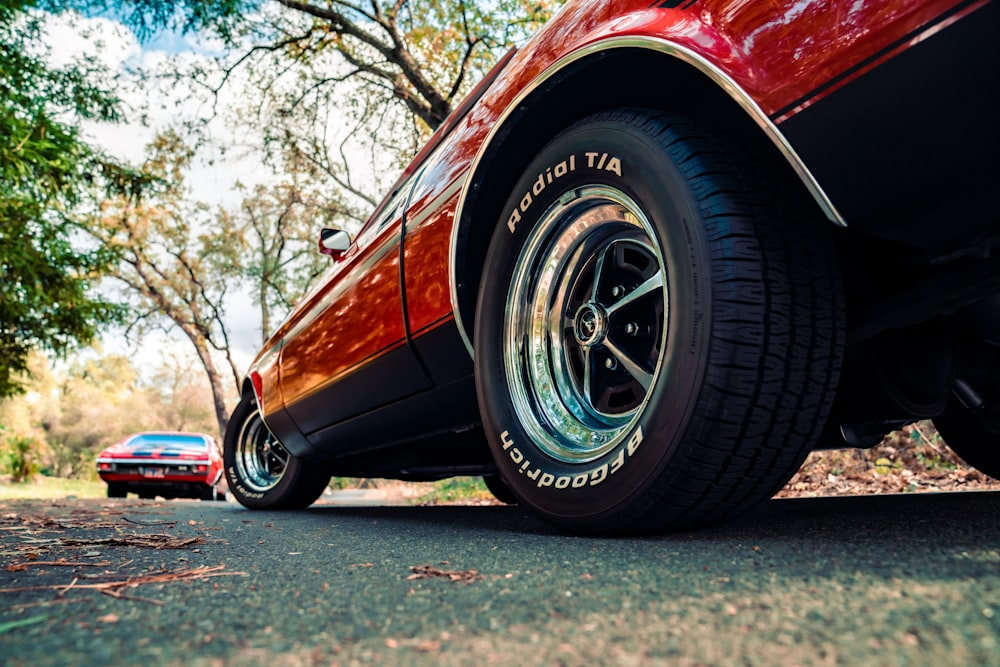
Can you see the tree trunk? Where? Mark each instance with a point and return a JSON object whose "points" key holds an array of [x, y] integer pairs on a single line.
{"points": [[265, 312], [214, 379]]}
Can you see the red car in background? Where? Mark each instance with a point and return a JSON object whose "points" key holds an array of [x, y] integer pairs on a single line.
{"points": [[171, 465], [662, 252]]}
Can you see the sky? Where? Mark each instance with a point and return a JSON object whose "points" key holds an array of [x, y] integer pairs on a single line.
{"points": [[117, 48], [212, 178]]}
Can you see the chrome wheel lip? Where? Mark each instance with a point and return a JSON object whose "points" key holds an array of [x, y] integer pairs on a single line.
{"points": [[260, 459], [553, 345]]}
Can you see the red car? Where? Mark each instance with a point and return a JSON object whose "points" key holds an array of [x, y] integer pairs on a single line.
{"points": [[662, 252], [171, 465]]}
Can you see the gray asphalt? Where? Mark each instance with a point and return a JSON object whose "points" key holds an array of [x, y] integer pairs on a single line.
{"points": [[878, 580]]}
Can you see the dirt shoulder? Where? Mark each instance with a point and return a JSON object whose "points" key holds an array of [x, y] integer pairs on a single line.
{"points": [[912, 459]]}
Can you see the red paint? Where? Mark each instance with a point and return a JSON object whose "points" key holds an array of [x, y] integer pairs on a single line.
{"points": [[347, 320], [785, 54]]}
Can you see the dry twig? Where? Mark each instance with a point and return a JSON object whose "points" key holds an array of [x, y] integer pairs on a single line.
{"points": [[18, 567], [192, 574]]}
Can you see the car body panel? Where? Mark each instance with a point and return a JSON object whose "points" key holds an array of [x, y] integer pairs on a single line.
{"points": [[333, 340], [384, 330]]}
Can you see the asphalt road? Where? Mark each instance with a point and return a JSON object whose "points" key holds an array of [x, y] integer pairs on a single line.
{"points": [[877, 580]]}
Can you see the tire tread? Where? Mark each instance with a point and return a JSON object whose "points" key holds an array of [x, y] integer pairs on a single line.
{"points": [[782, 405]]}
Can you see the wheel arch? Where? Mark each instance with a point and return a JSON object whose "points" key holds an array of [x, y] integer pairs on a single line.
{"points": [[625, 67]]}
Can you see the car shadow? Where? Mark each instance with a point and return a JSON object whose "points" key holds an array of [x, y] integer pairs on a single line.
{"points": [[886, 517]]}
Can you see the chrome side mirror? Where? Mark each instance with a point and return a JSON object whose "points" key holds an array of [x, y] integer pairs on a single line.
{"points": [[333, 242]]}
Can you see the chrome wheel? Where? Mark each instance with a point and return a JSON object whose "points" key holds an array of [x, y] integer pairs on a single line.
{"points": [[585, 331], [260, 459]]}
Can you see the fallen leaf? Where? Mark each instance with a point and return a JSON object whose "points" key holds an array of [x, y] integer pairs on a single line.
{"points": [[427, 645], [431, 572]]}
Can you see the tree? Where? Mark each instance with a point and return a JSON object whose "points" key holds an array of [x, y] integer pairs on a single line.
{"points": [[184, 396], [422, 53], [48, 176], [97, 402], [67, 417], [278, 231], [180, 261], [336, 86], [177, 262], [347, 92]]}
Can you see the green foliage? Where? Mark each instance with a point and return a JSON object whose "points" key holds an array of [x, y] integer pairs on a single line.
{"points": [[148, 17], [18, 456], [457, 489], [49, 179], [70, 416]]}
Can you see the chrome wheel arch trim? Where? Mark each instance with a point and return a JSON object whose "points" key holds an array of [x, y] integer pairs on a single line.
{"points": [[660, 45]]}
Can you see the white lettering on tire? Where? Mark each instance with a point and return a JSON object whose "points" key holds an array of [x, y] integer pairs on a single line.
{"points": [[578, 481], [593, 160], [245, 492]]}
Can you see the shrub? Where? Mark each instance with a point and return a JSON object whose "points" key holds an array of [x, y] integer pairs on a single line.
{"points": [[18, 456]]}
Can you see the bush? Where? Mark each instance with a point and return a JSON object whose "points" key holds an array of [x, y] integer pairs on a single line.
{"points": [[18, 456]]}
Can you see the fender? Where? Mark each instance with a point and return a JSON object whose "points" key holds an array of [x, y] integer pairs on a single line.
{"points": [[655, 44], [262, 380]]}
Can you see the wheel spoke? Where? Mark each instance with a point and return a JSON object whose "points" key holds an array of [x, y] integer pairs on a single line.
{"points": [[646, 287], [588, 376], [641, 375], [598, 274]]}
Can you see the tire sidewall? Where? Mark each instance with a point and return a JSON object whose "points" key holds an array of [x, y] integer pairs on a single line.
{"points": [[606, 486]]}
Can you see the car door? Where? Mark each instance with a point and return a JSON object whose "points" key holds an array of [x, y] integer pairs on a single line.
{"points": [[347, 352]]}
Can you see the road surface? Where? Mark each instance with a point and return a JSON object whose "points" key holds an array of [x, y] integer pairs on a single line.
{"points": [[883, 580]]}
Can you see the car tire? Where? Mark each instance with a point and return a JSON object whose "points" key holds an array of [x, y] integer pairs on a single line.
{"points": [[117, 490], [260, 473], [659, 329], [974, 444], [499, 489]]}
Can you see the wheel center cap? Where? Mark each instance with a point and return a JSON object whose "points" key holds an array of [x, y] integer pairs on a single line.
{"points": [[590, 325]]}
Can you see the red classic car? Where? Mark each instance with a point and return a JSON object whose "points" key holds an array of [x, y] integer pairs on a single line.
{"points": [[171, 465], [662, 252]]}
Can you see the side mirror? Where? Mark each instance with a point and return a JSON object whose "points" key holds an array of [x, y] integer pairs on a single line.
{"points": [[334, 242]]}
